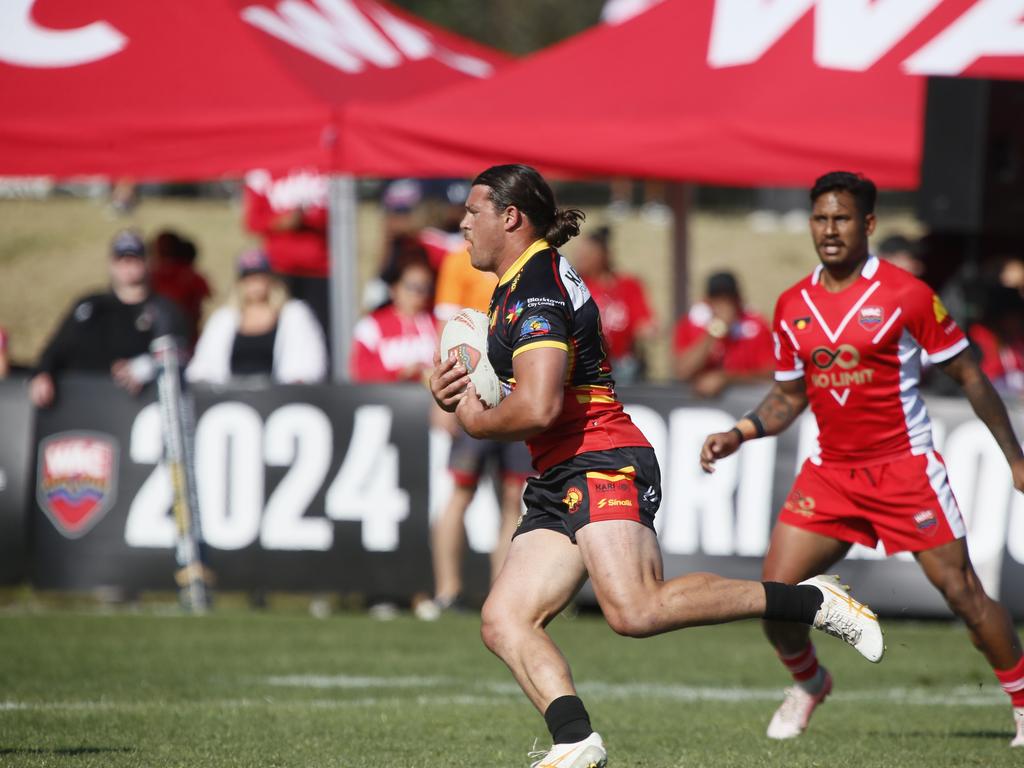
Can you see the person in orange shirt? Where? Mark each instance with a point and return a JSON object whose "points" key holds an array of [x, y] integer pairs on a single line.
{"points": [[459, 285]]}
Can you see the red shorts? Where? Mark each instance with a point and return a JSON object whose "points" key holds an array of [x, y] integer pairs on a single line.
{"points": [[906, 504]]}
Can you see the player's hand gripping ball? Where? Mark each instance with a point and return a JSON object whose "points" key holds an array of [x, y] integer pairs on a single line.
{"points": [[465, 338]]}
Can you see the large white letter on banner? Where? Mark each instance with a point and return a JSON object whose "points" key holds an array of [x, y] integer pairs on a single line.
{"points": [[990, 28], [854, 34], [26, 44], [742, 30]]}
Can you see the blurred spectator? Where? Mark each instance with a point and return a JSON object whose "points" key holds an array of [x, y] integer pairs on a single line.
{"points": [[626, 317], [5, 360], [111, 332], [261, 332], [446, 206], [174, 276], [903, 252], [721, 342], [460, 285], [397, 342], [399, 201], [999, 339], [290, 213]]}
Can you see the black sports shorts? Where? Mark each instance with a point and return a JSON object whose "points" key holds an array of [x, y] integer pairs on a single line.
{"points": [[619, 484]]}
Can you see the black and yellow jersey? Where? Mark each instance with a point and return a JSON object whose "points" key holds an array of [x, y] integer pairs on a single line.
{"points": [[540, 301]]}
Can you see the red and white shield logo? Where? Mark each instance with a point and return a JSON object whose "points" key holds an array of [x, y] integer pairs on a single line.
{"points": [[77, 480]]}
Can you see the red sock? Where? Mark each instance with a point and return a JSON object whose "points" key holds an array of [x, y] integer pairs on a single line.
{"points": [[802, 665], [1012, 680]]}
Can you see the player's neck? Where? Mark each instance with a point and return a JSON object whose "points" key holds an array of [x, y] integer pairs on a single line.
{"points": [[838, 277], [514, 248]]}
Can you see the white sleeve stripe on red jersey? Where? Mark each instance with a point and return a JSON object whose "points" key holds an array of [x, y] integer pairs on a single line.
{"points": [[834, 337], [951, 351], [882, 331], [788, 375], [792, 338]]}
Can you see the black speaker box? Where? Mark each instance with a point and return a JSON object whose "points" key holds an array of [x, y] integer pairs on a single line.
{"points": [[972, 169]]}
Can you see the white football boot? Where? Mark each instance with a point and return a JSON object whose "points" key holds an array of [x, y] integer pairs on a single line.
{"points": [[843, 617], [792, 716], [588, 753], [1018, 718]]}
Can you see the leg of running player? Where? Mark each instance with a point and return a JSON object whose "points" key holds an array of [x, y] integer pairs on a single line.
{"points": [[991, 630], [625, 567], [949, 568], [794, 555], [540, 575], [447, 542], [511, 507]]}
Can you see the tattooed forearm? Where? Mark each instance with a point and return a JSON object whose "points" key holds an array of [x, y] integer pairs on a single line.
{"points": [[780, 408], [989, 407]]}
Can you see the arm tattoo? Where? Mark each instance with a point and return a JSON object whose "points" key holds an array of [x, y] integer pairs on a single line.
{"points": [[985, 402], [777, 411], [989, 407]]}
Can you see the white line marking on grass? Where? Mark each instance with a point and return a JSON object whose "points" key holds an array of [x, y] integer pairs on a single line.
{"points": [[493, 693], [967, 695], [355, 681]]}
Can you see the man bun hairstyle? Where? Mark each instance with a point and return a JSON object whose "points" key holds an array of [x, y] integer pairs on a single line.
{"points": [[523, 187], [861, 188]]}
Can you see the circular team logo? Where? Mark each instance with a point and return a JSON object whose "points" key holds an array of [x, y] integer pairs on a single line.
{"points": [[573, 499], [846, 357]]}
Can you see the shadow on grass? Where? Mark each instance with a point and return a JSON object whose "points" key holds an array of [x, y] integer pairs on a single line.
{"points": [[62, 751], [1007, 734]]}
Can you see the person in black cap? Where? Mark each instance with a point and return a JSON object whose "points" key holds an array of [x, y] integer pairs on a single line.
{"points": [[720, 342], [110, 332]]}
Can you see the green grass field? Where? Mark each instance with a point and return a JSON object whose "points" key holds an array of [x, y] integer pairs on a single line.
{"points": [[241, 688]]}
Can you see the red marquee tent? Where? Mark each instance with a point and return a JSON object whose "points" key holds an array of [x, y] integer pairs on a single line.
{"points": [[202, 88], [741, 92]]}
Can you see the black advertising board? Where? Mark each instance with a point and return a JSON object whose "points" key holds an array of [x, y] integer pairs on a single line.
{"points": [[300, 488]]}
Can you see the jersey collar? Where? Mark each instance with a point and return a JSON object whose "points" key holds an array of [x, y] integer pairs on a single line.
{"points": [[867, 271], [535, 247]]}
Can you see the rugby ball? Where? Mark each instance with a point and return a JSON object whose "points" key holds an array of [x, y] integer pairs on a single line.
{"points": [[464, 337]]}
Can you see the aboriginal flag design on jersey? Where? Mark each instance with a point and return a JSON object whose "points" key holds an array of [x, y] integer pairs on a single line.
{"points": [[541, 302]]}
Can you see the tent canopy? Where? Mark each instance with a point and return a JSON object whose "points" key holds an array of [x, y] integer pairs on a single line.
{"points": [[204, 88], [739, 92]]}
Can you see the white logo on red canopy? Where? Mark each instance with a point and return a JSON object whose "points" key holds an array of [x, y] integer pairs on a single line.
{"points": [[350, 37], [855, 35], [25, 43], [76, 480]]}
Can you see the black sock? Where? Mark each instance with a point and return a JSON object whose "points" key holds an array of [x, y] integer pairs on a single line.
{"points": [[787, 602], [567, 720]]}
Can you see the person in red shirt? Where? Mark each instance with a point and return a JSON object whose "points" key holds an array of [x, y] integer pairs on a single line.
{"points": [[999, 339], [626, 317], [591, 511], [175, 277], [848, 342], [721, 342], [289, 212], [398, 341]]}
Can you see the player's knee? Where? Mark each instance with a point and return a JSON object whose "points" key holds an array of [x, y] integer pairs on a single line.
{"points": [[962, 592], [629, 620], [494, 628]]}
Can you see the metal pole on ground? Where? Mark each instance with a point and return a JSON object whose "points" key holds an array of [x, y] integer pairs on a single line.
{"points": [[343, 242]]}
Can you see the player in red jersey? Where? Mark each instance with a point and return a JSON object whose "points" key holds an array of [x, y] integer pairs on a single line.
{"points": [[591, 510], [848, 341]]}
